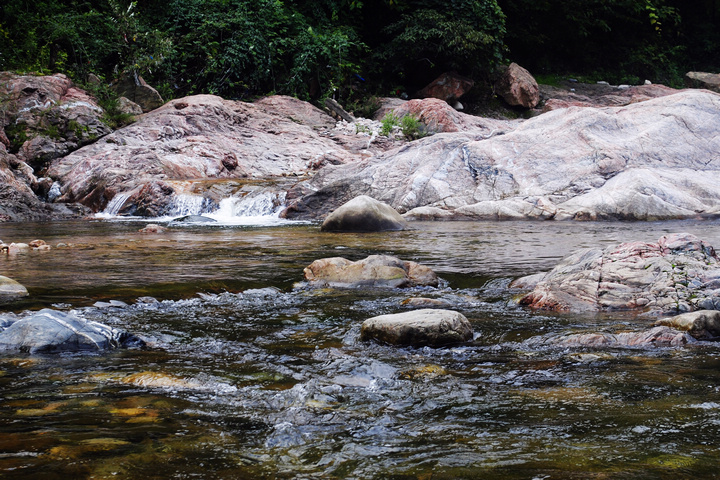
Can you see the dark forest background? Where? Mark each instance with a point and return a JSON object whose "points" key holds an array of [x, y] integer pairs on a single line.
{"points": [[355, 48]]}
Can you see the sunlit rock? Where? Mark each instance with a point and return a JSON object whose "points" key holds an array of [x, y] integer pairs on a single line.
{"points": [[679, 273], [373, 271], [10, 289], [702, 324], [364, 214], [660, 336], [427, 327], [50, 331]]}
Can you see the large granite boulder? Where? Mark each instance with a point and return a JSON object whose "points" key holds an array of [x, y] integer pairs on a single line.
{"points": [[47, 117], [364, 214], [709, 81], [373, 271], [677, 274], [652, 160], [133, 87], [418, 328], [50, 331], [448, 87], [200, 137], [518, 87]]}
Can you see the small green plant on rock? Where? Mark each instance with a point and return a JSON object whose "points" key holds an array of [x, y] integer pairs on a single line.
{"points": [[412, 127], [389, 121]]}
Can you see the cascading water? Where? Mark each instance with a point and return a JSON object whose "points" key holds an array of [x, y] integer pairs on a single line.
{"points": [[186, 204], [113, 207]]}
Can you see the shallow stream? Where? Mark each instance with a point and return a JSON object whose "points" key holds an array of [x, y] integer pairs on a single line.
{"points": [[250, 374]]}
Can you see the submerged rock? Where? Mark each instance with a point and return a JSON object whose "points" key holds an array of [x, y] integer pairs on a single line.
{"points": [[364, 214], [50, 331], [194, 219], [373, 271], [660, 336], [679, 273], [427, 327]]}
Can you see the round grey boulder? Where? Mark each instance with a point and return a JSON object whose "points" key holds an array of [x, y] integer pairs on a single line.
{"points": [[418, 328], [364, 214], [50, 331]]}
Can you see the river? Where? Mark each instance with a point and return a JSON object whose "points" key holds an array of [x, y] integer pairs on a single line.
{"points": [[251, 374]]}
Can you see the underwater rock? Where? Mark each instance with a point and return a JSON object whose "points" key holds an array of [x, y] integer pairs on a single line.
{"points": [[10, 289], [702, 324], [422, 302], [660, 336], [427, 327], [679, 273], [153, 228], [373, 271], [50, 331], [363, 214], [194, 219]]}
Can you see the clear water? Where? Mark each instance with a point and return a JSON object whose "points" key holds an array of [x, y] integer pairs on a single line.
{"points": [[251, 374]]}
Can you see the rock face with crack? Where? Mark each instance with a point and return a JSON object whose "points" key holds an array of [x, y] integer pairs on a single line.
{"points": [[679, 273]]}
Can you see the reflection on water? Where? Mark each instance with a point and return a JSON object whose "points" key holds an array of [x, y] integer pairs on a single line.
{"points": [[252, 375]]}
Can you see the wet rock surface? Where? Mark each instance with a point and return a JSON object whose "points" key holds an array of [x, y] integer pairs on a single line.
{"points": [[10, 289], [679, 273], [426, 327], [373, 271], [363, 214], [50, 331], [701, 324]]}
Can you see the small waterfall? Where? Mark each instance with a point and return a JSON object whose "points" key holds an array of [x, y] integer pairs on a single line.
{"points": [[185, 204], [113, 207], [259, 206]]}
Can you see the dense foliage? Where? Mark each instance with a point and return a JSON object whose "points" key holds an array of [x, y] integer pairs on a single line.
{"points": [[347, 48]]}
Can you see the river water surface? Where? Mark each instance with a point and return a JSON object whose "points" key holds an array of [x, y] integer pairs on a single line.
{"points": [[251, 374]]}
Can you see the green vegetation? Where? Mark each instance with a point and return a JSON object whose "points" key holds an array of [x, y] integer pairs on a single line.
{"points": [[354, 49], [411, 126]]}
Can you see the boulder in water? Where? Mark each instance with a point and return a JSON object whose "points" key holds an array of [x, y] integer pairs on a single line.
{"points": [[10, 289], [364, 214], [701, 324], [679, 273], [418, 328], [656, 337], [373, 271], [51, 331]]}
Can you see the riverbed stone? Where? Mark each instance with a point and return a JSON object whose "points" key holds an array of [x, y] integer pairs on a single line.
{"points": [[656, 337], [374, 271], [51, 331], [10, 289], [679, 273], [364, 214], [701, 324], [417, 328]]}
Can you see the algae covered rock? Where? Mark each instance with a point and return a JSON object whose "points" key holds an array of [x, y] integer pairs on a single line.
{"points": [[417, 328]]}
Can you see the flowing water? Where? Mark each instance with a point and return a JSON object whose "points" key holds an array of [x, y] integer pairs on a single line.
{"points": [[251, 374]]}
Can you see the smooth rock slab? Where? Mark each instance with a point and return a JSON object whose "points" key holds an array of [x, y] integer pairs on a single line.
{"points": [[373, 271], [363, 214], [418, 328], [50, 331]]}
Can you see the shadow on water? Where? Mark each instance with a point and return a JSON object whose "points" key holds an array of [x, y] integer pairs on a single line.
{"points": [[250, 374]]}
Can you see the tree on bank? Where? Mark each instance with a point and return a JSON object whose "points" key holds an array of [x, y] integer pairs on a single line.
{"points": [[316, 48]]}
